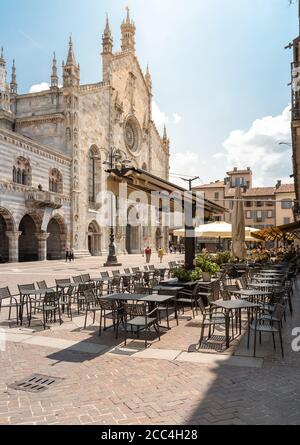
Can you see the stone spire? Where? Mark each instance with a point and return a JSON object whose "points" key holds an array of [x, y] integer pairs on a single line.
{"points": [[71, 71], [128, 34], [71, 57], [13, 83], [107, 40], [2, 71], [148, 79], [54, 76], [166, 140]]}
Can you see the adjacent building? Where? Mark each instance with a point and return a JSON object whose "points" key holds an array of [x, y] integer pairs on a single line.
{"points": [[264, 206]]}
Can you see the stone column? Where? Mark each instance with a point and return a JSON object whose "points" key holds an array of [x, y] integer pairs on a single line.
{"points": [[13, 238], [42, 245]]}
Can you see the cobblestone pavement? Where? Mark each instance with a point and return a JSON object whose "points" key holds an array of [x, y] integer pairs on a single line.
{"points": [[163, 385]]}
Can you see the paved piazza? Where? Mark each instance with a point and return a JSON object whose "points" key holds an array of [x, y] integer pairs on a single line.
{"points": [[107, 384]]}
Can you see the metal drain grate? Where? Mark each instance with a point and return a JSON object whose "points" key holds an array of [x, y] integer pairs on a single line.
{"points": [[36, 383]]}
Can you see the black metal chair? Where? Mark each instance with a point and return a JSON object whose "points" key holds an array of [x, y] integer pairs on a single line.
{"points": [[190, 298], [5, 294], [268, 323], [211, 319], [49, 307], [137, 317]]}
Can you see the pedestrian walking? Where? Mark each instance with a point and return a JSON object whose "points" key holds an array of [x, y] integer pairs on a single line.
{"points": [[148, 253], [67, 254], [72, 256], [161, 254]]}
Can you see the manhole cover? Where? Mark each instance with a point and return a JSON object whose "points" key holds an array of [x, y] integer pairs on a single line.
{"points": [[36, 383]]}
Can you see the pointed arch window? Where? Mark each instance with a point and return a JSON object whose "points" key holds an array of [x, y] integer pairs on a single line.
{"points": [[55, 181], [22, 172]]}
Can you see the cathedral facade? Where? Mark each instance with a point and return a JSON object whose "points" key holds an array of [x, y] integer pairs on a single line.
{"points": [[55, 146]]}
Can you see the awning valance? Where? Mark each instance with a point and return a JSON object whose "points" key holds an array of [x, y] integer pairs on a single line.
{"points": [[288, 232]]}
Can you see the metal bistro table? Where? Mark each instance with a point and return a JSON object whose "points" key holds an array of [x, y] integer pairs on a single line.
{"points": [[236, 305], [152, 299], [251, 294], [264, 286]]}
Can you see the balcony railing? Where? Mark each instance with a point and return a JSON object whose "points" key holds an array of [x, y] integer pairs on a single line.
{"points": [[41, 199]]}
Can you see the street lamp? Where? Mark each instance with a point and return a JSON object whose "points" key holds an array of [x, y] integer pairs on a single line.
{"points": [[115, 162]]}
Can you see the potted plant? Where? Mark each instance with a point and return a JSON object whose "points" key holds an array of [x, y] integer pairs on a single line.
{"points": [[208, 267]]}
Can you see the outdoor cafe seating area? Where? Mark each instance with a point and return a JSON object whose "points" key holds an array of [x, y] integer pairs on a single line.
{"points": [[139, 303]]}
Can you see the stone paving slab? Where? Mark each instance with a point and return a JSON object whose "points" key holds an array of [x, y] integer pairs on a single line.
{"points": [[217, 359]]}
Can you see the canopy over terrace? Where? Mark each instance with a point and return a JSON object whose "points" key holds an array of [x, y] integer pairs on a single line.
{"points": [[218, 229], [288, 232], [140, 180]]}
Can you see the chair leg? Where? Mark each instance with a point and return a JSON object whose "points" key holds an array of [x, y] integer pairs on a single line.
{"points": [[255, 336], [274, 343], [201, 336], [100, 325], [281, 343], [248, 342], [85, 321]]}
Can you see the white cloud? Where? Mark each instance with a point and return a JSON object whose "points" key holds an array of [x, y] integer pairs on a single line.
{"points": [[161, 118], [177, 118], [187, 163], [259, 149], [44, 86]]}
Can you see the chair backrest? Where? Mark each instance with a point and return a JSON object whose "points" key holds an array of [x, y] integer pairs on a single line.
{"points": [[90, 297], [63, 281], [226, 295], [142, 290], [278, 312], [146, 268], [51, 298], [127, 271], [202, 303], [42, 285], [136, 270], [5, 293], [104, 275], [116, 273], [23, 287], [78, 279], [86, 277], [152, 268], [134, 310]]}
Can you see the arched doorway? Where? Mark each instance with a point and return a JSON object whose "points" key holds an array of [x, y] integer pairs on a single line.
{"points": [[28, 243], [56, 243], [94, 239], [4, 246]]}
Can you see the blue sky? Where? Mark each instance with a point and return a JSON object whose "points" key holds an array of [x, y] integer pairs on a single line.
{"points": [[219, 69]]}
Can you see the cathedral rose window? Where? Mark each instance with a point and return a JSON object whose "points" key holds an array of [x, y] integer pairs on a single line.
{"points": [[132, 134]]}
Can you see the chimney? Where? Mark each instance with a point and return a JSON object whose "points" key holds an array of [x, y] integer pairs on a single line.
{"points": [[278, 184]]}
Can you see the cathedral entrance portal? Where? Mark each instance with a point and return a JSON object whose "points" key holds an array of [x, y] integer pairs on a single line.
{"points": [[94, 239], [28, 243]]}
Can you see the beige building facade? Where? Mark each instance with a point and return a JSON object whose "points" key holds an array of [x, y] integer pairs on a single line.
{"points": [[264, 206], [53, 146]]}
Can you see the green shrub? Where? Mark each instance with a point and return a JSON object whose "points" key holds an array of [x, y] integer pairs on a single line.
{"points": [[204, 263], [185, 275]]}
